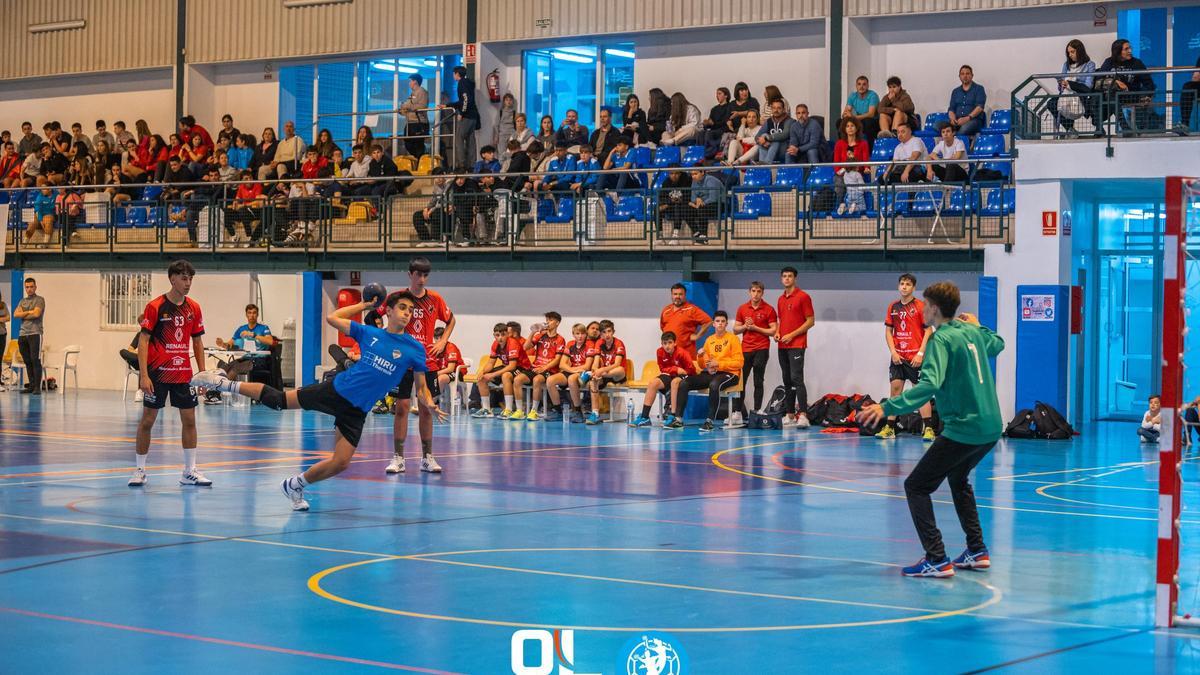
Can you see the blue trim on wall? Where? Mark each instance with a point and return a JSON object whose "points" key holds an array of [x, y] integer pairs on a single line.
{"points": [[17, 292], [702, 294], [310, 322], [1042, 354], [989, 306]]}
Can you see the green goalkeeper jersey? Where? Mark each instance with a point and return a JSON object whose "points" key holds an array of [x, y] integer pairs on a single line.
{"points": [[957, 375]]}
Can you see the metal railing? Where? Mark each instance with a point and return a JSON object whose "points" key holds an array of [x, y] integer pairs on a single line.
{"points": [[798, 207], [1044, 110], [442, 124]]}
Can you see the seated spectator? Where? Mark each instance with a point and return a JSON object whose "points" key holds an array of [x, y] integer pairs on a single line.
{"points": [[674, 366], [742, 103], [381, 166], [487, 160], [806, 138], [290, 153], [949, 147], [1191, 421], [10, 165], [546, 135], [604, 138], [966, 104], [743, 149], [775, 134], [53, 165], [619, 159], [31, 168], [29, 143], [103, 135], [242, 152], [1188, 94], [1129, 89], [228, 131], [430, 221], [633, 119], [104, 157], [706, 196], [195, 155], [357, 168], [1076, 80], [447, 364], [910, 148], [253, 336], [850, 147], [57, 139], [572, 132], [576, 360], [324, 144], [496, 374], [656, 117], [142, 128], [863, 106], [188, 128], [174, 147], [42, 224], [608, 366], [77, 136], [547, 348], [895, 107], [561, 171], [315, 165], [586, 178], [246, 208], [772, 93], [673, 203], [117, 185], [462, 193], [716, 124], [1151, 421], [519, 166], [721, 368], [522, 134], [683, 124]]}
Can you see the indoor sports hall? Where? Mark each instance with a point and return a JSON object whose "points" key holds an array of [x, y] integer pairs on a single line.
{"points": [[621, 338]]}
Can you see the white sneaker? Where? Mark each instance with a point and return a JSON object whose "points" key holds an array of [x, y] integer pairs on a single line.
{"points": [[137, 397], [194, 477], [802, 421], [211, 380], [841, 209], [853, 208], [297, 496], [735, 421], [430, 465], [138, 478], [396, 465]]}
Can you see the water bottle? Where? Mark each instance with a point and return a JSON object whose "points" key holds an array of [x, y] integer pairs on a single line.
{"points": [[628, 410]]}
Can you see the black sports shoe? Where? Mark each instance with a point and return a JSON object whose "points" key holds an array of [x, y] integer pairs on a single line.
{"points": [[706, 427]]}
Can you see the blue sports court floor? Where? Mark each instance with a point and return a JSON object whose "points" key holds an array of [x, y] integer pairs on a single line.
{"points": [[757, 552]]}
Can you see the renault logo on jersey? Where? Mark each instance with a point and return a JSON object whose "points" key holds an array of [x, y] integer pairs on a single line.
{"points": [[179, 335]]}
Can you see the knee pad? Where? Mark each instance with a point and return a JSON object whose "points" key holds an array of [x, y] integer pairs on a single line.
{"points": [[273, 398]]}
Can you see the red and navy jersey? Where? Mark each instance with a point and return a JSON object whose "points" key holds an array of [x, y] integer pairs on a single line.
{"points": [[609, 353], [546, 348], [678, 363], [171, 328], [450, 353], [578, 354], [428, 310], [507, 350], [907, 323]]}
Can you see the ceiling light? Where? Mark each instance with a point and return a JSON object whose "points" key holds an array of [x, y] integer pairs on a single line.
{"points": [[57, 26]]}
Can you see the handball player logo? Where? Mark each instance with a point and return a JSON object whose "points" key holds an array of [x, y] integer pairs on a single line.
{"points": [[652, 654]]}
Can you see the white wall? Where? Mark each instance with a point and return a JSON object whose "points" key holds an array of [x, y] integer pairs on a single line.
{"points": [[846, 353], [1003, 47], [115, 96], [247, 91], [73, 311]]}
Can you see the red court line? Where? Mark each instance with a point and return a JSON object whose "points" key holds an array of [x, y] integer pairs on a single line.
{"points": [[228, 643]]}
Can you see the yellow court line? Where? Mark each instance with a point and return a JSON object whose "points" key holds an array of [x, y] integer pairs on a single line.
{"points": [[314, 585]]}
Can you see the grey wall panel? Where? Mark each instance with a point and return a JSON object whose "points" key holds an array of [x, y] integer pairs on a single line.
{"points": [[894, 7]]}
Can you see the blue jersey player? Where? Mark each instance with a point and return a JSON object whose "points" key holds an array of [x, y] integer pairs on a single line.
{"points": [[386, 356]]}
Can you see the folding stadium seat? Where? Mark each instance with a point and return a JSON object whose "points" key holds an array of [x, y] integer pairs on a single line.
{"points": [[883, 149], [961, 201], [931, 122], [659, 179], [930, 142], [755, 179], [565, 212], [788, 177], [631, 207], [610, 212], [999, 202], [999, 122], [753, 206], [666, 155], [989, 145], [692, 155], [640, 157], [151, 192], [1009, 202], [821, 176], [925, 203]]}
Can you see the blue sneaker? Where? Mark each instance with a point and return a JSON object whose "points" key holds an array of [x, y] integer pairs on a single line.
{"points": [[592, 418], [553, 415], [939, 569], [640, 421], [668, 419], [979, 560], [576, 417], [585, 376]]}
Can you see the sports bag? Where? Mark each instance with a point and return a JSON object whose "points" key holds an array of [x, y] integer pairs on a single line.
{"points": [[1021, 425], [1050, 423]]}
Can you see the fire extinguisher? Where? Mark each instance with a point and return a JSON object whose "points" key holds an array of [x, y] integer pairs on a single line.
{"points": [[345, 298], [493, 85]]}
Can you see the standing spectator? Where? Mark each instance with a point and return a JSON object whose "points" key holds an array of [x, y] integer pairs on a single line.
{"points": [[687, 321], [896, 107], [656, 117], [849, 148], [683, 124], [263, 160], [806, 138], [910, 149], [863, 106], [468, 122], [796, 319], [707, 194], [604, 138], [506, 123], [716, 125], [1130, 89], [1151, 426], [756, 322], [289, 153], [29, 142], [775, 134], [743, 149], [31, 310], [228, 131], [1188, 94], [1076, 80], [3, 330], [633, 119], [949, 147], [572, 132], [416, 117], [966, 104], [742, 103], [103, 135]]}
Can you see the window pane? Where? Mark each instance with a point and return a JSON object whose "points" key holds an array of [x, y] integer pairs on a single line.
{"points": [[449, 85], [537, 86], [1186, 45], [573, 77], [1146, 30], [618, 76], [295, 98], [376, 92], [335, 94]]}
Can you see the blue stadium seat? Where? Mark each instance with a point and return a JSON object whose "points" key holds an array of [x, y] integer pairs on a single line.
{"points": [[931, 122], [789, 177], [625, 209], [666, 155], [989, 145], [565, 212], [961, 201], [640, 157], [756, 178], [659, 179], [820, 176], [1003, 167], [753, 206], [883, 149], [692, 155], [999, 122], [1000, 202], [151, 192], [925, 203]]}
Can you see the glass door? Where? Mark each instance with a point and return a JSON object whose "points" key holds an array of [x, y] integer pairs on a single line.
{"points": [[1128, 335]]}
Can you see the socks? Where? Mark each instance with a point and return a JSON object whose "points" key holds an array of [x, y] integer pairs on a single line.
{"points": [[646, 411], [189, 460], [426, 447], [508, 402], [297, 483], [235, 387], [141, 461]]}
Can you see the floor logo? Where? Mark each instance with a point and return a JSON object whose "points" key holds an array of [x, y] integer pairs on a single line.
{"points": [[652, 654], [553, 648]]}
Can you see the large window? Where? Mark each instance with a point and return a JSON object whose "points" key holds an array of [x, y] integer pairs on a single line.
{"points": [[581, 78], [123, 298]]}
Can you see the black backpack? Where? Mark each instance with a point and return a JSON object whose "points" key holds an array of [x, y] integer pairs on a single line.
{"points": [[1050, 423], [910, 423], [1021, 425], [777, 404]]}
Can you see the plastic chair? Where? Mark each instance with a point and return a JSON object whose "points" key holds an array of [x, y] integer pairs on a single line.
{"points": [[999, 122], [753, 206], [883, 149], [1000, 202], [692, 155], [820, 176], [988, 146], [70, 364], [565, 212], [666, 155], [630, 207], [756, 178], [640, 157], [789, 177]]}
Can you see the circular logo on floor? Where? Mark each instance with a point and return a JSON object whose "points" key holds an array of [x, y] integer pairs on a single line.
{"points": [[652, 653]]}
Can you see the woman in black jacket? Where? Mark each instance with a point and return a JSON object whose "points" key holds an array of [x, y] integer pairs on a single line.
{"points": [[633, 119], [1126, 90], [656, 118]]}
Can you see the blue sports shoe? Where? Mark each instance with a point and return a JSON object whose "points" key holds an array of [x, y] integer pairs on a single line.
{"points": [[979, 560], [553, 415], [576, 417], [640, 421], [667, 419], [938, 569], [592, 418]]}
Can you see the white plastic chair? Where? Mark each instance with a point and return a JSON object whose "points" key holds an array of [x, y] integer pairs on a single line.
{"points": [[70, 364], [131, 372]]}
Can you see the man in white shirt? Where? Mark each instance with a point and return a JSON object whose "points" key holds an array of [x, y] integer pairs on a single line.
{"points": [[360, 165], [290, 152], [910, 148], [949, 147]]}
